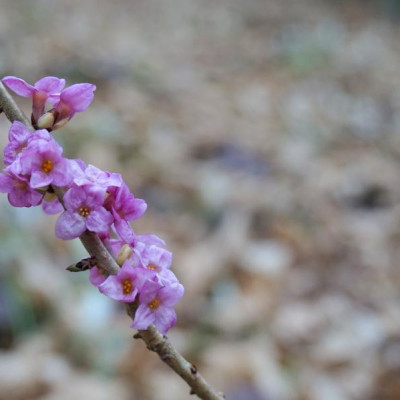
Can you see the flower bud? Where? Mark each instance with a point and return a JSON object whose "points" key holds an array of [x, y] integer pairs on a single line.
{"points": [[124, 253], [46, 121], [49, 196]]}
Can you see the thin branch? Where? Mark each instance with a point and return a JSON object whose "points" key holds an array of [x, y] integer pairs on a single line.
{"points": [[154, 340]]}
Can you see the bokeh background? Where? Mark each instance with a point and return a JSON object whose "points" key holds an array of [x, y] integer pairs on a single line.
{"points": [[264, 136]]}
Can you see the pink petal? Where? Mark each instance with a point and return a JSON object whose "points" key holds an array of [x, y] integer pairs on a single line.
{"points": [[50, 84], [69, 226], [74, 198], [165, 319], [52, 207], [78, 96], [112, 288], [96, 278], [18, 132], [19, 86], [134, 209], [171, 294], [61, 173], [6, 183], [99, 220], [149, 291], [144, 317], [40, 179]]}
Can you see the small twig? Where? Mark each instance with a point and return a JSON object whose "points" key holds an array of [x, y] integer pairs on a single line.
{"points": [[154, 340]]}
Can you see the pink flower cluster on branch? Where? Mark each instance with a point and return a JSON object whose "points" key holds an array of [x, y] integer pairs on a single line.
{"points": [[50, 90], [94, 200]]}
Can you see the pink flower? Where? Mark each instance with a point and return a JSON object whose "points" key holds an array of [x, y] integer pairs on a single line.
{"points": [[96, 177], [138, 243], [126, 284], [124, 207], [42, 160], [159, 260], [156, 305], [19, 192], [19, 136], [84, 210], [44, 90]]}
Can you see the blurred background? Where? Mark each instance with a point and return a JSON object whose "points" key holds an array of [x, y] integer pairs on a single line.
{"points": [[264, 136]]}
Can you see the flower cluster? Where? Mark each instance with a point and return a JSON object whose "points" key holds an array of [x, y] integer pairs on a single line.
{"points": [[87, 198]]}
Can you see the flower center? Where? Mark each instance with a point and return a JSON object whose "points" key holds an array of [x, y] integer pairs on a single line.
{"points": [[21, 185], [21, 148], [154, 304], [153, 267], [47, 166], [84, 211], [127, 286]]}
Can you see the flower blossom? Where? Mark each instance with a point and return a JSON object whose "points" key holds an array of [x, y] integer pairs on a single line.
{"points": [[19, 136], [76, 98], [126, 284], [138, 243], [20, 194], [156, 305], [159, 260], [42, 160], [92, 175], [94, 200], [45, 90], [84, 210], [124, 207]]}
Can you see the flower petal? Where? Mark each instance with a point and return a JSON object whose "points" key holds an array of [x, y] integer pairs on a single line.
{"points": [[171, 294], [69, 226], [52, 207], [165, 319], [19, 86], [50, 84], [96, 278], [99, 220], [18, 132], [78, 96], [112, 288], [40, 179], [6, 183], [144, 317]]}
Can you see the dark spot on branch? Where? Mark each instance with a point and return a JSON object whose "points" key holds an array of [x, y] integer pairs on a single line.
{"points": [[137, 336], [83, 265], [192, 391], [193, 369]]}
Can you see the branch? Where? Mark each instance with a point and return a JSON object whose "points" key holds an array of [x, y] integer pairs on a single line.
{"points": [[154, 340]]}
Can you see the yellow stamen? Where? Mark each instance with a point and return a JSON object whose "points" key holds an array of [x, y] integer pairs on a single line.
{"points": [[153, 267], [124, 253], [47, 166], [127, 286], [84, 211], [154, 304]]}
